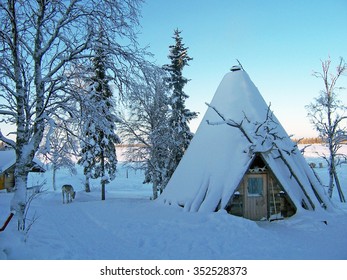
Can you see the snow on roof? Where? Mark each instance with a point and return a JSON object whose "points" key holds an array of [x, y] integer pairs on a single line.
{"points": [[8, 159], [219, 155]]}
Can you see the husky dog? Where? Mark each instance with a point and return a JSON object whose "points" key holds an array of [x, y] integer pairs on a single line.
{"points": [[69, 192]]}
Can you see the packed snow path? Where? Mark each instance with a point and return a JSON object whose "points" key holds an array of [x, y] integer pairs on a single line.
{"points": [[142, 229]]}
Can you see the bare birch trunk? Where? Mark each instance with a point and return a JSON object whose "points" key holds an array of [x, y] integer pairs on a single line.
{"points": [[155, 189], [331, 175], [54, 175], [86, 184], [18, 202]]}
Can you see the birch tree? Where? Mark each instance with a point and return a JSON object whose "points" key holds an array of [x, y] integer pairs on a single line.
{"points": [[328, 116], [59, 150], [146, 126], [41, 42]]}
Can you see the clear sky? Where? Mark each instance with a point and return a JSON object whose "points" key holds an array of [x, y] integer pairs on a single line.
{"points": [[279, 43]]}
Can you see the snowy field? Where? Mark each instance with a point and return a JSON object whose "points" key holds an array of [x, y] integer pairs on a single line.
{"points": [[130, 226]]}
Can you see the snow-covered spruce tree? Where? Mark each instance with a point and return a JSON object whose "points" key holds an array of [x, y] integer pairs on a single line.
{"points": [[146, 128], [180, 116], [328, 116], [40, 42], [99, 144]]}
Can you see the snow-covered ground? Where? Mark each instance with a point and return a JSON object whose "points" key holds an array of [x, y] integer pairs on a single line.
{"points": [[128, 225]]}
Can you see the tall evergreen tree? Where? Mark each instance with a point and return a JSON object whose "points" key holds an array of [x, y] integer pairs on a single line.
{"points": [[180, 115], [98, 148]]}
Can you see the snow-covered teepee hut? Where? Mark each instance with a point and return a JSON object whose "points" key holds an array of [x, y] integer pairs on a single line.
{"points": [[242, 160]]}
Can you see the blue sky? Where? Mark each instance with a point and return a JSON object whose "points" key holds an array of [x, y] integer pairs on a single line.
{"points": [[279, 43]]}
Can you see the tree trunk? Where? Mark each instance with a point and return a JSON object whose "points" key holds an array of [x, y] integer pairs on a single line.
{"points": [[103, 191], [331, 149], [87, 185], [155, 189], [331, 180], [54, 175], [18, 202]]}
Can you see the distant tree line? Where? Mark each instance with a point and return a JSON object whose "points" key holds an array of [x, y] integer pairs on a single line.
{"points": [[308, 140]]}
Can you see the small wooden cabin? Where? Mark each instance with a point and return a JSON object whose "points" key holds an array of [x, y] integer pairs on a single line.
{"points": [[7, 164], [7, 179], [260, 196]]}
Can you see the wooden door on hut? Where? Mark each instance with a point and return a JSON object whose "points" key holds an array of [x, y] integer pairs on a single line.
{"points": [[255, 196], [259, 195]]}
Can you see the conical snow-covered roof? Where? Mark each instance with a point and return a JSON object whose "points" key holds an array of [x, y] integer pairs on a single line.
{"points": [[220, 152]]}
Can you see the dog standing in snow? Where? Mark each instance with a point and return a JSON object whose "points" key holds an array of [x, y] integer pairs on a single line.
{"points": [[69, 192]]}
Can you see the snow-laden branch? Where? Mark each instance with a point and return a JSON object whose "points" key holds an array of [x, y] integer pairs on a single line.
{"points": [[283, 158], [264, 138], [7, 113], [215, 123], [6, 140], [232, 123]]}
